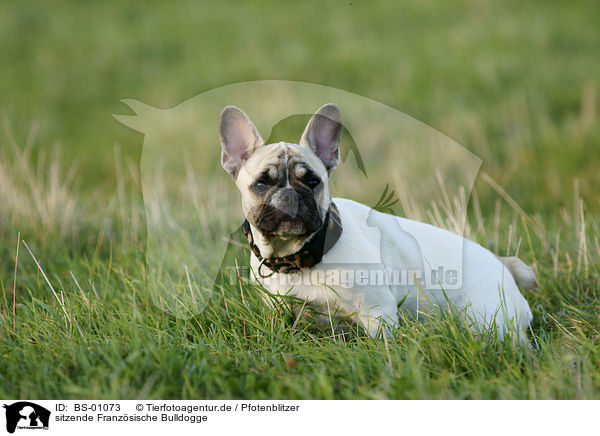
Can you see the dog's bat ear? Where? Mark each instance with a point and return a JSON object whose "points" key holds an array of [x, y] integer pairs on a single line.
{"points": [[323, 133], [239, 137]]}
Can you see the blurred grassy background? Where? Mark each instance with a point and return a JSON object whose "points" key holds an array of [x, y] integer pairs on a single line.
{"points": [[515, 82]]}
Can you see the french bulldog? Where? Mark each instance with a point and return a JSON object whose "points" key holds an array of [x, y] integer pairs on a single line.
{"points": [[302, 239]]}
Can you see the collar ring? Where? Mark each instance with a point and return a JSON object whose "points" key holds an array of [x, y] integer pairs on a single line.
{"points": [[260, 265]]}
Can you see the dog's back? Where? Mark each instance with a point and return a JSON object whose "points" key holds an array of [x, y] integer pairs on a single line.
{"points": [[454, 271]]}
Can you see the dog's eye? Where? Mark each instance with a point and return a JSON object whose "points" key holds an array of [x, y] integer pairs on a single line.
{"points": [[313, 182], [261, 184]]}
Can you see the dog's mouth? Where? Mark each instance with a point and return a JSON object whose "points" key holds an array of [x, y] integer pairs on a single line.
{"points": [[284, 227], [273, 222], [290, 227]]}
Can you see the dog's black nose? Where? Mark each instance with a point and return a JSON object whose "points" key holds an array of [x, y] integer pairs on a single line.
{"points": [[286, 200]]}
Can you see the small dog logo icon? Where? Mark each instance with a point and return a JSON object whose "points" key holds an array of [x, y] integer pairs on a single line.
{"points": [[26, 415]]}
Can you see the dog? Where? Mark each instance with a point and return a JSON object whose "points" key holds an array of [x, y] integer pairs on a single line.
{"points": [[302, 239]]}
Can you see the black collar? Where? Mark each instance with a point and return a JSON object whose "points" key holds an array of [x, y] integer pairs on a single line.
{"points": [[311, 252]]}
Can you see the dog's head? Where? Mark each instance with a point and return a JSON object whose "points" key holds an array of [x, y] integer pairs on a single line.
{"points": [[284, 186]]}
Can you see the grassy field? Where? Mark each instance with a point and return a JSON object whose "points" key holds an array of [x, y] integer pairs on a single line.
{"points": [[515, 83]]}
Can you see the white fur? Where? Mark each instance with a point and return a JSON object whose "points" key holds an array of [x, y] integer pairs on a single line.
{"points": [[487, 294]]}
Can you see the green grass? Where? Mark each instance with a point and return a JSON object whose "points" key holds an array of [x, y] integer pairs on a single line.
{"points": [[515, 83]]}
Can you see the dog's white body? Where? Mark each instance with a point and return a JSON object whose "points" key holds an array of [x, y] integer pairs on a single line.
{"points": [[488, 296]]}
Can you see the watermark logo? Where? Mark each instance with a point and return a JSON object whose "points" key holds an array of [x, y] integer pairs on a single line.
{"points": [[25, 415], [388, 161]]}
